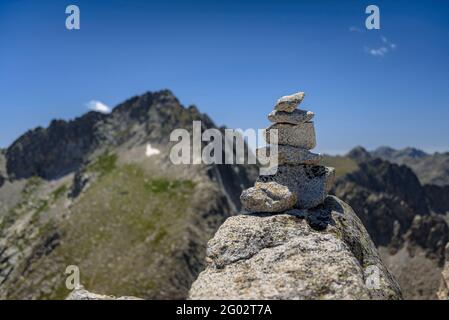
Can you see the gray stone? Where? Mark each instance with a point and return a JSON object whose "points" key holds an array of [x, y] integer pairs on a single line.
{"points": [[267, 197], [267, 257], [301, 135], [295, 117], [80, 293], [311, 184], [289, 103], [288, 155]]}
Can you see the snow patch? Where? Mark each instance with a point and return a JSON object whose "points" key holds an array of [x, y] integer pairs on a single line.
{"points": [[151, 151]]}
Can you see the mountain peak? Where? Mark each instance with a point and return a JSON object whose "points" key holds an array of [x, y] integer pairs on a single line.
{"points": [[413, 152], [63, 146], [359, 154]]}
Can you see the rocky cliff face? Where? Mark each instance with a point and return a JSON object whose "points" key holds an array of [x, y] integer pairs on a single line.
{"points": [[443, 292], [385, 196], [55, 151], [86, 193], [407, 221], [321, 253]]}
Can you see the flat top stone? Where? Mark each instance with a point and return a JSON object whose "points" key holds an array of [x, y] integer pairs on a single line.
{"points": [[289, 103], [296, 117], [287, 155], [286, 257], [299, 135]]}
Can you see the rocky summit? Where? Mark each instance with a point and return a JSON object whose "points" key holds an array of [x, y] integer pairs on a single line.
{"points": [[298, 168], [320, 253], [312, 248]]}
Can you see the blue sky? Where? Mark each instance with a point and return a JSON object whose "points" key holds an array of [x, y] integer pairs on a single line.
{"points": [[233, 59]]}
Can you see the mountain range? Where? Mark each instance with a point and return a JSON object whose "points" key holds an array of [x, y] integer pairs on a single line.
{"points": [[430, 168], [408, 221], [85, 192]]}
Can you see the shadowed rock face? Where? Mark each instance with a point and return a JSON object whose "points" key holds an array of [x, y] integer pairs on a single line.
{"points": [[55, 151], [385, 196], [382, 176], [430, 168], [437, 198], [310, 183], [2, 167], [405, 220], [263, 256], [65, 145]]}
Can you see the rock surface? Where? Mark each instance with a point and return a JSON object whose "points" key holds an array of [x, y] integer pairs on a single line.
{"points": [[443, 293], [289, 103], [295, 117], [82, 294], [284, 257], [267, 197], [289, 155], [302, 135], [310, 183]]}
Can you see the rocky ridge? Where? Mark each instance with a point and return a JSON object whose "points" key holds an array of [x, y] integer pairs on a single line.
{"points": [[84, 192], [430, 168], [406, 220]]}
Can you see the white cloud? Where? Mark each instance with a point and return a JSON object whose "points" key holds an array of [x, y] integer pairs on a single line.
{"points": [[383, 50], [98, 106]]}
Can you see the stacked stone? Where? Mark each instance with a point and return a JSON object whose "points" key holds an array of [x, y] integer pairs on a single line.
{"points": [[300, 182]]}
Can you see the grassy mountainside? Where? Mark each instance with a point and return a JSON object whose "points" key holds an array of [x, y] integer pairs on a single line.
{"points": [[133, 224], [343, 165]]}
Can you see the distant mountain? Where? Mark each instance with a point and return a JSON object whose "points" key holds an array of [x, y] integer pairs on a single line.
{"points": [[406, 220], [84, 193], [430, 168]]}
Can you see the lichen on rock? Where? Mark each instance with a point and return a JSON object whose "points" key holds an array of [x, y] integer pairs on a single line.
{"points": [[285, 256]]}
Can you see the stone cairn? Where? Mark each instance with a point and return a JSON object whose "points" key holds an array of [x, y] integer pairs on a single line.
{"points": [[300, 182]]}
